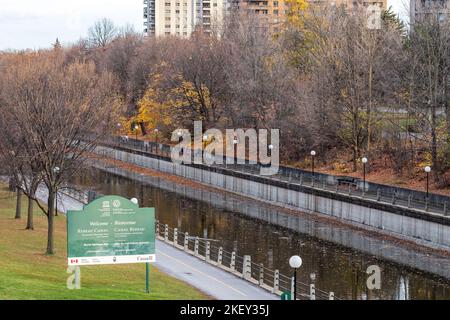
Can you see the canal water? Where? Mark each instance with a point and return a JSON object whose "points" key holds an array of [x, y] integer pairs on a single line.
{"points": [[337, 268]]}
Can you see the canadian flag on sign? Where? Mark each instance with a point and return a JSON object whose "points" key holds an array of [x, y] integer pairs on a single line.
{"points": [[74, 261]]}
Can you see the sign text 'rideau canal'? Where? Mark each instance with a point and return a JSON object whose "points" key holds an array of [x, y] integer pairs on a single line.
{"points": [[111, 230]]}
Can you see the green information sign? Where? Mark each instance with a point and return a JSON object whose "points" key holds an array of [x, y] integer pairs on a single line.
{"points": [[111, 230]]}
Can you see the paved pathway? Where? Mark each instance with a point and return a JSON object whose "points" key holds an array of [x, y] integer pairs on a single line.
{"points": [[213, 281]]}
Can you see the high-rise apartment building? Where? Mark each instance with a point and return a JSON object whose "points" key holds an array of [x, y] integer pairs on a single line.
{"points": [[271, 13], [182, 17], [425, 9], [351, 4]]}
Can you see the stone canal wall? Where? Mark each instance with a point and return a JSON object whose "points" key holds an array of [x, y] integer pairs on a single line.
{"points": [[423, 227]]}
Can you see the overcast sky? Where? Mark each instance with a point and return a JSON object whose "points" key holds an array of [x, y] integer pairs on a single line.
{"points": [[37, 23]]}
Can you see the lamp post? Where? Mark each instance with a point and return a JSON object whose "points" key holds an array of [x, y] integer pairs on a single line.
{"points": [[428, 170], [295, 262], [235, 143], [136, 127], [56, 170], [156, 139], [313, 155], [364, 161]]}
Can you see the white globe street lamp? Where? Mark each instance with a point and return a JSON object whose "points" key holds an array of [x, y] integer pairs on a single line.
{"points": [[313, 156], [295, 262], [364, 161], [428, 170], [135, 201]]}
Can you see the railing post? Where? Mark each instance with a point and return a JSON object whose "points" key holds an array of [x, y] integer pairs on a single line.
{"points": [[233, 261], [350, 190], [290, 177], [445, 208], [247, 267], [261, 274], [337, 188], [175, 236], [312, 291], [219, 256], [301, 179], [157, 228], [331, 296], [166, 233], [196, 246], [426, 204], [208, 251], [186, 241], [394, 198], [378, 195], [409, 201], [276, 281]]}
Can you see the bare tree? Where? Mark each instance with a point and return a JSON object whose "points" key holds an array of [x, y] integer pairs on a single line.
{"points": [[429, 84], [102, 33], [58, 111]]}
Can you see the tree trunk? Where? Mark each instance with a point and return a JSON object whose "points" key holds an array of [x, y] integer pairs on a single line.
{"points": [[51, 218], [30, 223], [19, 204], [434, 155]]}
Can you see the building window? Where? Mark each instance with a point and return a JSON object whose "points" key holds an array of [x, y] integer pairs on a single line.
{"points": [[167, 4]]}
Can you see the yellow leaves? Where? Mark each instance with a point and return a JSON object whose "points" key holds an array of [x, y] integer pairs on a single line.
{"points": [[296, 10], [168, 101], [153, 108]]}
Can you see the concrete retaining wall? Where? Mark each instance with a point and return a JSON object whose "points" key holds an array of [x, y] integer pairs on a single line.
{"points": [[336, 234], [428, 229]]}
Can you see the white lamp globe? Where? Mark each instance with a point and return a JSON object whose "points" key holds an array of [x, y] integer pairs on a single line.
{"points": [[135, 201], [235, 141], [427, 169], [313, 153], [295, 262], [364, 160], [271, 147]]}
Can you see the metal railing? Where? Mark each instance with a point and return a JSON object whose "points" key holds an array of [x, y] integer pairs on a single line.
{"points": [[400, 197], [241, 266], [209, 251]]}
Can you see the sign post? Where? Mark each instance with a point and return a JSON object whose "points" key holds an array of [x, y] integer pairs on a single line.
{"points": [[147, 277], [111, 230]]}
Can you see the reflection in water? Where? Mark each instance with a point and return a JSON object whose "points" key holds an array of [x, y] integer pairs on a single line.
{"points": [[336, 268], [403, 288]]}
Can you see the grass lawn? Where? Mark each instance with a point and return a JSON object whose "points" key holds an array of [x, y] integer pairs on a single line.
{"points": [[27, 273]]}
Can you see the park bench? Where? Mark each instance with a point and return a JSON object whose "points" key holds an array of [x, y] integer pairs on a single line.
{"points": [[347, 181]]}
